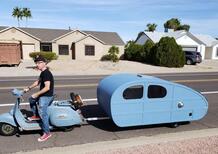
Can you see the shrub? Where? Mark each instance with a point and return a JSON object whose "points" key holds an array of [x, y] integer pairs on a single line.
{"points": [[133, 51], [47, 55], [112, 54], [105, 57], [168, 53], [147, 51]]}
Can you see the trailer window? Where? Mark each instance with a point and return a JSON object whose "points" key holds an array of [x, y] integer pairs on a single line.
{"points": [[156, 91], [133, 92]]}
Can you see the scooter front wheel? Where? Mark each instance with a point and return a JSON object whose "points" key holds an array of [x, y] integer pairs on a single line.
{"points": [[7, 129]]}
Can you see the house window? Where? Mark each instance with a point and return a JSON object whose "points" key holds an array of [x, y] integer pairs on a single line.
{"points": [[47, 47], [63, 49], [133, 92], [89, 50], [156, 91]]}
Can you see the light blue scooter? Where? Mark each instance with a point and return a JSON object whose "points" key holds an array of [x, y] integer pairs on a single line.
{"points": [[62, 114]]}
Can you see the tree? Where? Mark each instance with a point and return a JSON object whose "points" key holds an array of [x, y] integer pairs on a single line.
{"points": [[113, 53], [147, 51], [168, 53], [184, 27], [151, 27], [17, 13], [27, 14], [133, 51], [173, 23]]}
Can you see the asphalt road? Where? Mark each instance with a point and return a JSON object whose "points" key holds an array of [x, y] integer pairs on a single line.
{"points": [[105, 129]]}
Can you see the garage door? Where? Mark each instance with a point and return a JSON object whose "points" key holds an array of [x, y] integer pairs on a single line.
{"points": [[189, 48], [10, 53], [27, 48]]}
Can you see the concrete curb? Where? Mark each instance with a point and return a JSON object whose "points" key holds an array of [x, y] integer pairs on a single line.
{"points": [[128, 143]]}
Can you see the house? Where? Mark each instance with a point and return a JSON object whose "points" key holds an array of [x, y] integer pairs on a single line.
{"points": [[188, 41], [211, 50], [67, 44]]}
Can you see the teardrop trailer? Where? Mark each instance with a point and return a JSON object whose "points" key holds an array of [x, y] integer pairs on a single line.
{"points": [[133, 100], [127, 99]]}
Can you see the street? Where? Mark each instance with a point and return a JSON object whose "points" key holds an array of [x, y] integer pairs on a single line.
{"points": [[104, 130]]}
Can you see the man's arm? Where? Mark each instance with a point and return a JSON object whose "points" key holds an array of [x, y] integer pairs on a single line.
{"points": [[42, 91], [35, 84]]}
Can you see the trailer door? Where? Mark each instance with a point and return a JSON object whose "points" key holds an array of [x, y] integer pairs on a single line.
{"points": [[127, 107], [157, 105]]}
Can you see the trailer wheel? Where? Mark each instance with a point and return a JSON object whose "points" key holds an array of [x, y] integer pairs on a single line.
{"points": [[7, 129], [174, 125], [67, 129]]}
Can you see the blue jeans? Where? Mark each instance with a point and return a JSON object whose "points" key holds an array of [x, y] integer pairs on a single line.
{"points": [[44, 102]]}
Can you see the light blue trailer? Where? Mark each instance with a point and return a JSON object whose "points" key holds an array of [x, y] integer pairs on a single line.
{"points": [[133, 100]]}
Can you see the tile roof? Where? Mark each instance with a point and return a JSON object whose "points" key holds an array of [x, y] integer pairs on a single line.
{"points": [[47, 35], [110, 38], [207, 39], [156, 36], [3, 27]]}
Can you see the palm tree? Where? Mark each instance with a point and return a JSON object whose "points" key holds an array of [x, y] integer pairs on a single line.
{"points": [[173, 23], [151, 27], [27, 14], [17, 13]]}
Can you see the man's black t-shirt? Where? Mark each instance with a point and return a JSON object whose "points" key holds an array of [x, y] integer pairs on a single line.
{"points": [[46, 75]]}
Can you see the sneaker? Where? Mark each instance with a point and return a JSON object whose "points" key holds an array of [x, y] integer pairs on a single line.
{"points": [[44, 137], [33, 118]]}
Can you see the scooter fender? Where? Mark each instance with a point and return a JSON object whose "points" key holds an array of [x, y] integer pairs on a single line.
{"points": [[64, 116], [7, 118]]}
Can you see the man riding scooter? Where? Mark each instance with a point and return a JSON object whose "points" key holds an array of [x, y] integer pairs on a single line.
{"points": [[43, 97]]}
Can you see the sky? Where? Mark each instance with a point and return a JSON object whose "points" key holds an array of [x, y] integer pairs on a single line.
{"points": [[126, 17]]}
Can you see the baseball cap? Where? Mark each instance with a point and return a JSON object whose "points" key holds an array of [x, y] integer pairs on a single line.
{"points": [[39, 58]]}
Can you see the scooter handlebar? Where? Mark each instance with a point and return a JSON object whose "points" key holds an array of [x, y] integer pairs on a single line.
{"points": [[17, 93]]}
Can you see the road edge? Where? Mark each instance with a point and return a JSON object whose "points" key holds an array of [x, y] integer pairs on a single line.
{"points": [[127, 143]]}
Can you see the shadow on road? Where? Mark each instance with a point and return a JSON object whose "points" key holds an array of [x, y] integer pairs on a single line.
{"points": [[109, 125]]}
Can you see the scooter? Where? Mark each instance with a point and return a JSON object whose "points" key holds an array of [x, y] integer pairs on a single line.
{"points": [[62, 114]]}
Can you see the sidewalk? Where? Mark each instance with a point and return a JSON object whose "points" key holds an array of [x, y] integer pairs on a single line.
{"points": [[193, 142], [68, 67]]}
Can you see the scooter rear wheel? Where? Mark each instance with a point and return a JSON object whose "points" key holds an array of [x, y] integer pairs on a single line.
{"points": [[7, 129]]}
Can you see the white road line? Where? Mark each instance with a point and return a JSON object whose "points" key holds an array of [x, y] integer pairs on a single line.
{"points": [[95, 99], [56, 79]]}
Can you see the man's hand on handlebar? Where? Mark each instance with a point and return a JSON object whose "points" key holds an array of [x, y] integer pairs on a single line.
{"points": [[26, 89]]}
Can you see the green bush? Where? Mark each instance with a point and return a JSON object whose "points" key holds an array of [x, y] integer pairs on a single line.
{"points": [[133, 51], [168, 53], [112, 54], [105, 57], [47, 55], [147, 51]]}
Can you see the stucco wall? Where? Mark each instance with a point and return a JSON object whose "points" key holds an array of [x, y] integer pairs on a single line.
{"points": [[214, 53], [80, 49], [67, 40], [208, 52]]}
